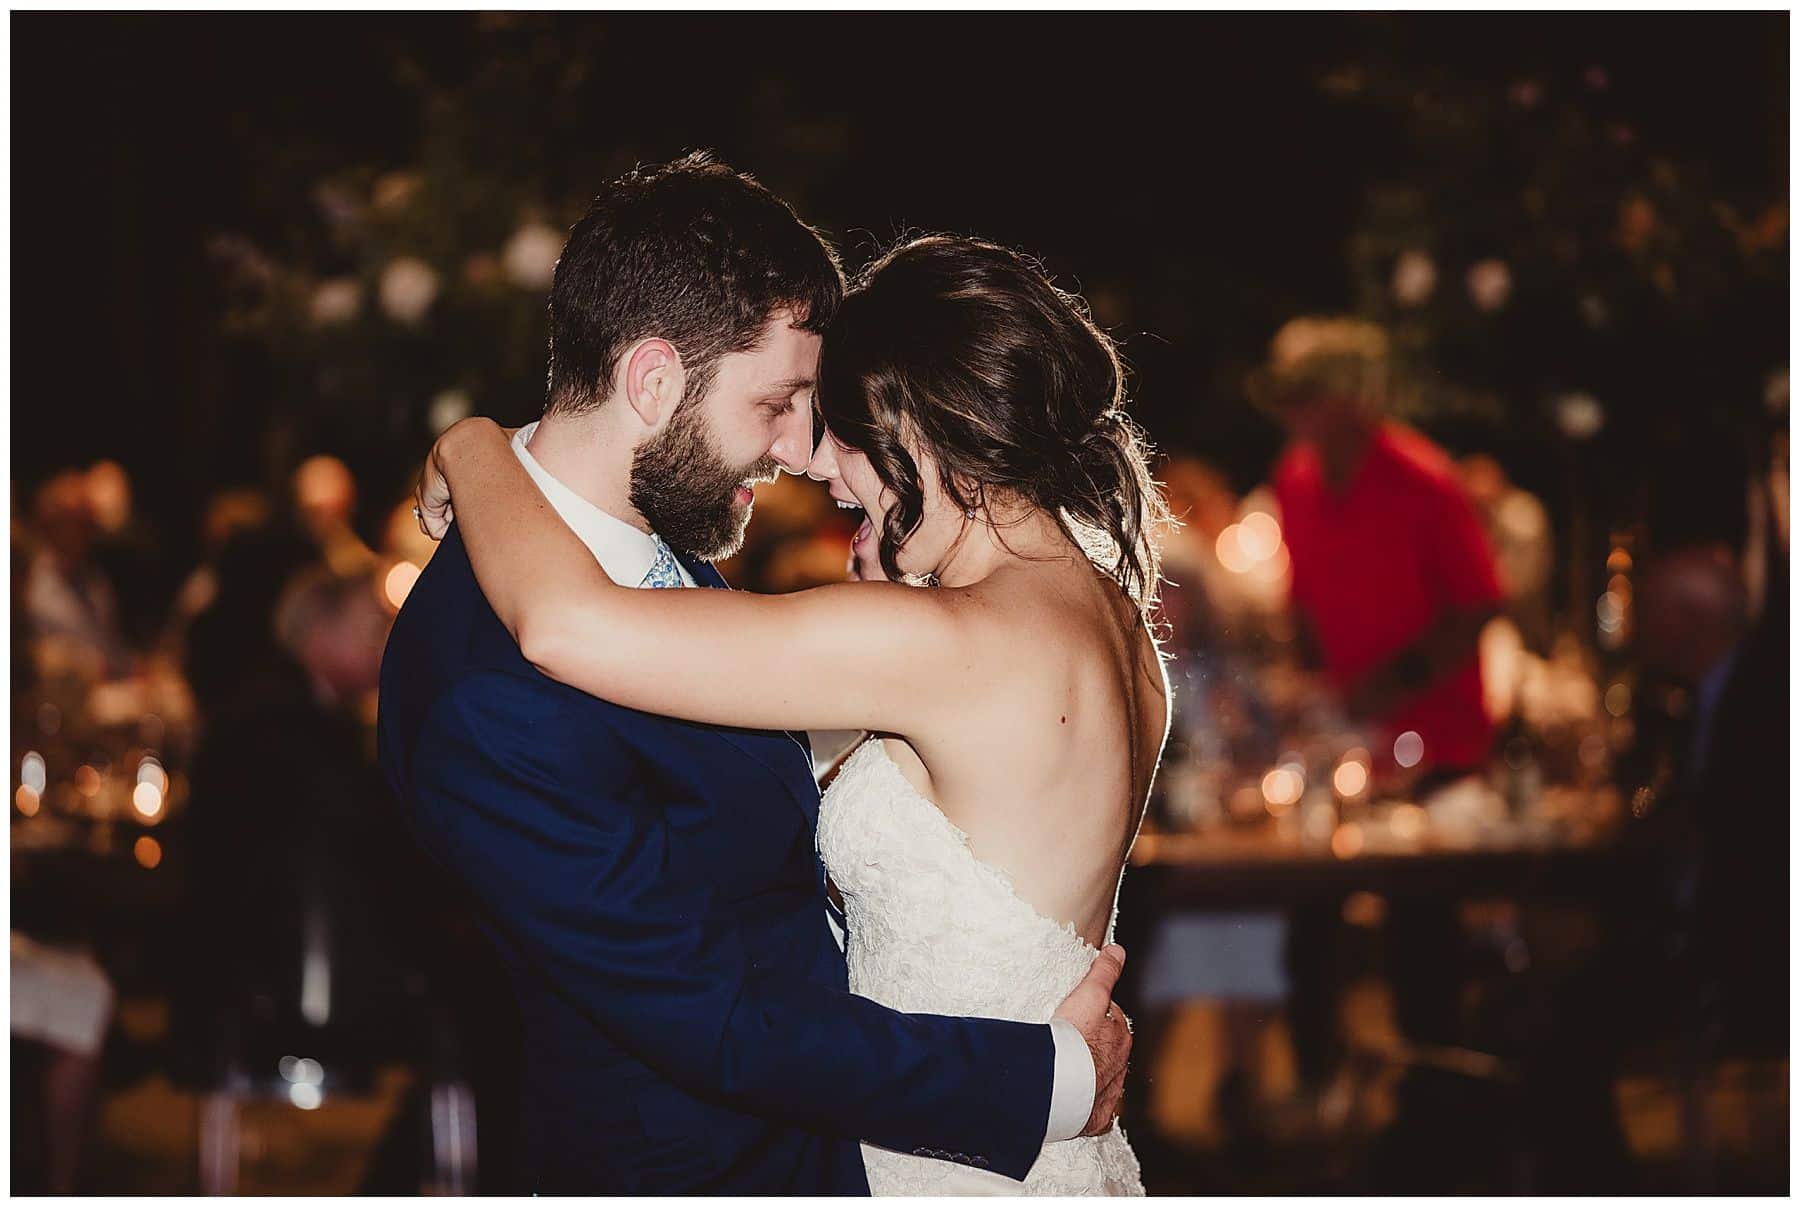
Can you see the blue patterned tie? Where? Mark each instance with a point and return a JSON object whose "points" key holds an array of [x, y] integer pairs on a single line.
{"points": [[665, 571]]}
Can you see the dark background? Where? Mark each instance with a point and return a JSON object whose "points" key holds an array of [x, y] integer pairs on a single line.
{"points": [[1190, 173]]}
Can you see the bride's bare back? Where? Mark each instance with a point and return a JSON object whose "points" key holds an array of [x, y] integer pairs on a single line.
{"points": [[1047, 763]]}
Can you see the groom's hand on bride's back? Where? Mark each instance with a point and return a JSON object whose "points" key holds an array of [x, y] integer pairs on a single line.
{"points": [[1091, 1009]]}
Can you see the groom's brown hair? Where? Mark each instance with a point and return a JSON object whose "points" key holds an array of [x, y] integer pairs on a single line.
{"points": [[692, 252]]}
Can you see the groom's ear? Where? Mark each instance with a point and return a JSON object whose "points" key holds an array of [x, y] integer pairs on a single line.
{"points": [[653, 380]]}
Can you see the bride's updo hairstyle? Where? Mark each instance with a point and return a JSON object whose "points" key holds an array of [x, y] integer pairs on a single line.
{"points": [[967, 351]]}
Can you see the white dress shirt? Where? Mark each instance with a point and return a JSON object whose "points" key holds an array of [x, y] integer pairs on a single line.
{"points": [[623, 551], [626, 553]]}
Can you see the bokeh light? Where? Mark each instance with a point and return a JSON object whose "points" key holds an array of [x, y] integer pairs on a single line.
{"points": [[1259, 536], [147, 799], [1409, 749], [1350, 779], [1281, 789], [1407, 821], [1618, 699], [33, 773], [150, 771], [1230, 550], [399, 583]]}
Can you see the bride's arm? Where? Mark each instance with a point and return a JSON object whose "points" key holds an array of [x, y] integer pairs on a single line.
{"points": [[847, 656]]}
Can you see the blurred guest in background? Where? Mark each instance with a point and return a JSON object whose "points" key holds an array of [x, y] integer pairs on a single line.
{"points": [[228, 513], [1727, 748], [67, 597], [321, 925], [1196, 601], [235, 595], [1209, 613], [1393, 581], [62, 1004], [335, 627], [309, 907], [1393, 577], [127, 551], [325, 502], [1518, 528]]}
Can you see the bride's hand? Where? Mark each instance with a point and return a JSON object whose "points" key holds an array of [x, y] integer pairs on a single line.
{"points": [[434, 510]]}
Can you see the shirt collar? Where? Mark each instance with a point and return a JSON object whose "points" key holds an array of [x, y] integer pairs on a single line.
{"points": [[626, 553]]}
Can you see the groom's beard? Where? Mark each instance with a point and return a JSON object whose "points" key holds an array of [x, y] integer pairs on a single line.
{"points": [[687, 491]]}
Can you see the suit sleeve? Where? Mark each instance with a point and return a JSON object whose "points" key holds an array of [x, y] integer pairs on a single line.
{"points": [[584, 886]]}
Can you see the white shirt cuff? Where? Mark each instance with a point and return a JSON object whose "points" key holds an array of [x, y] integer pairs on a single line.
{"points": [[1072, 1090]]}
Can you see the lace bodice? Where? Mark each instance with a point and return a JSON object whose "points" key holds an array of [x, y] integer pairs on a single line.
{"points": [[932, 929]]}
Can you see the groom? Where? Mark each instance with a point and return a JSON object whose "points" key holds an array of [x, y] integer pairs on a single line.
{"points": [[651, 884]]}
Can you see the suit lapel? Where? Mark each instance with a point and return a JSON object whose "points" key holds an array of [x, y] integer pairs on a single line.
{"points": [[770, 748]]}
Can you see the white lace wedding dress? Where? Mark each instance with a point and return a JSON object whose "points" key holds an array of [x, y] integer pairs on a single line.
{"points": [[933, 930]]}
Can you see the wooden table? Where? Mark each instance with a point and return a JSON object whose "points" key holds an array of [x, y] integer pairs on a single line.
{"points": [[1234, 870]]}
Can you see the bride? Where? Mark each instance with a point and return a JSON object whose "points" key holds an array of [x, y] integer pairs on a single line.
{"points": [[974, 414]]}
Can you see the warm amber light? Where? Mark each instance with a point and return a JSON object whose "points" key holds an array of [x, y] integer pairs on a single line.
{"points": [[1407, 822], [151, 772], [399, 583], [87, 780], [1281, 788], [1350, 778], [27, 800], [1347, 841], [1230, 550], [147, 799], [1618, 699], [1259, 536], [148, 851]]}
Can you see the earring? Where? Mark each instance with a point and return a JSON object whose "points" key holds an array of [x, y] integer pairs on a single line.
{"points": [[969, 512]]}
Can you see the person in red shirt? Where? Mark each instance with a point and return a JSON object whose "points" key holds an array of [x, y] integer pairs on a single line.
{"points": [[1393, 576], [1392, 581]]}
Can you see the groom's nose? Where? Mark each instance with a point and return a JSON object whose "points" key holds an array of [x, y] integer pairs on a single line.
{"points": [[793, 449]]}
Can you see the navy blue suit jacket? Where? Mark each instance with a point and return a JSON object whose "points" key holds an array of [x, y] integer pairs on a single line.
{"points": [[652, 888]]}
